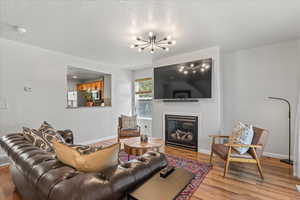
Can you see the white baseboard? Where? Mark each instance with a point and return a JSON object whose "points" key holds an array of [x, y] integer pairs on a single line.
{"points": [[204, 151], [275, 155], [98, 140]]}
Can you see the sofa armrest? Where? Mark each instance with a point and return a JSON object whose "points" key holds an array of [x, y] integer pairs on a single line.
{"points": [[67, 135]]}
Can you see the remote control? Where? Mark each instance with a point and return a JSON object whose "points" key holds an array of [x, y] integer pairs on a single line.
{"points": [[166, 171]]}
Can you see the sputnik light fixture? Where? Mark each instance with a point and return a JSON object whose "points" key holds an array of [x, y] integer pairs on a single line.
{"points": [[152, 43], [194, 67]]}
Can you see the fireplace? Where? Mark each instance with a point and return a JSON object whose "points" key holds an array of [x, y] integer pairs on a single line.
{"points": [[181, 131]]}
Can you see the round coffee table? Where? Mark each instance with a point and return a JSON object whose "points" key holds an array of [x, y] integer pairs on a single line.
{"points": [[135, 147]]}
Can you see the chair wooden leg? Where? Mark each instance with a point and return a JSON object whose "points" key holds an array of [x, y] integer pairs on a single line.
{"points": [[227, 161], [211, 157], [258, 163], [259, 169], [226, 167]]}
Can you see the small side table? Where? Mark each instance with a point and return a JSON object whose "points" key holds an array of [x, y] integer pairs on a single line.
{"points": [[134, 146]]}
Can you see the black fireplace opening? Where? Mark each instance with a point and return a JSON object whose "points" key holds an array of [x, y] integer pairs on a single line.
{"points": [[181, 131]]}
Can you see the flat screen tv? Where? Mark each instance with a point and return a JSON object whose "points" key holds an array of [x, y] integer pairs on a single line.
{"points": [[190, 80]]}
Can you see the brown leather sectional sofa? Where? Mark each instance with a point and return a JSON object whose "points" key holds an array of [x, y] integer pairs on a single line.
{"points": [[38, 175]]}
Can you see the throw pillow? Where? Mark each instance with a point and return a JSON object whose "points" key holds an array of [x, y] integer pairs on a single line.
{"points": [[49, 133], [36, 139], [84, 149], [91, 162], [242, 134], [129, 122], [28, 134]]}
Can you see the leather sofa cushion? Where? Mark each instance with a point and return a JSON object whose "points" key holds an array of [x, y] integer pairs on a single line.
{"points": [[92, 162]]}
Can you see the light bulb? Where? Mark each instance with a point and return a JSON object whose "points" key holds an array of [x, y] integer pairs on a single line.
{"points": [[140, 50], [151, 34], [167, 49], [180, 69], [192, 65], [185, 72], [132, 46], [75, 77], [194, 71], [202, 69], [152, 51], [169, 37], [206, 66], [173, 42]]}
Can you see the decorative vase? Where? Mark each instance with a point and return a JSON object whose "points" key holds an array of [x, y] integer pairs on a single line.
{"points": [[144, 138], [90, 103]]}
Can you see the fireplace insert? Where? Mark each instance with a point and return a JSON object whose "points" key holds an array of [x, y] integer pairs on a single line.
{"points": [[181, 131]]}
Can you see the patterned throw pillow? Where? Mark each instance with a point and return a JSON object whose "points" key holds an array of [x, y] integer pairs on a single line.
{"points": [[36, 139], [84, 149], [242, 134], [129, 122], [28, 134], [92, 162], [49, 133]]}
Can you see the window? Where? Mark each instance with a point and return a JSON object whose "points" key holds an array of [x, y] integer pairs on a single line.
{"points": [[143, 97]]}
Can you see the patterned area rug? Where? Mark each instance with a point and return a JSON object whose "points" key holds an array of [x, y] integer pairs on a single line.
{"points": [[199, 169]]}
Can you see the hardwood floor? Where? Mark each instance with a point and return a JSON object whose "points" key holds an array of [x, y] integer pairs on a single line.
{"points": [[242, 183]]}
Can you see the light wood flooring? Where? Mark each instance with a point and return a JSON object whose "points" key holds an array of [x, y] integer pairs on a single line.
{"points": [[243, 181]]}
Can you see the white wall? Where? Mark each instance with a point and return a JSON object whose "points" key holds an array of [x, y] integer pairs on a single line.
{"points": [[45, 71], [249, 76], [210, 110]]}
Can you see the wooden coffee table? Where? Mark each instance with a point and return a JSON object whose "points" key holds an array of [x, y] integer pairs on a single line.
{"points": [[158, 188], [134, 146]]}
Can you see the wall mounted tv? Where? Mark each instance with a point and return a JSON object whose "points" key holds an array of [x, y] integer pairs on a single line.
{"points": [[190, 80]]}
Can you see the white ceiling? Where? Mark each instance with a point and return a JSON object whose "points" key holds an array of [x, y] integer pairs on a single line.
{"points": [[103, 29]]}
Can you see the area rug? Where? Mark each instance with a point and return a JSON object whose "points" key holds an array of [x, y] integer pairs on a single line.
{"points": [[199, 169]]}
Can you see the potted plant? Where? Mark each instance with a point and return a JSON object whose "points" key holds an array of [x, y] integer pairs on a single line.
{"points": [[89, 98]]}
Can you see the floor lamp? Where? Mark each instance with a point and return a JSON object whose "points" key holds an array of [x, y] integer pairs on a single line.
{"points": [[287, 161]]}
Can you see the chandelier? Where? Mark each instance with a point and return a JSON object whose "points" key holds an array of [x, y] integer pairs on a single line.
{"points": [[152, 43]]}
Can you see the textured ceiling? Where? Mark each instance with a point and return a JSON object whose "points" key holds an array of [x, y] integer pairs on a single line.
{"points": [[103, 29]]}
